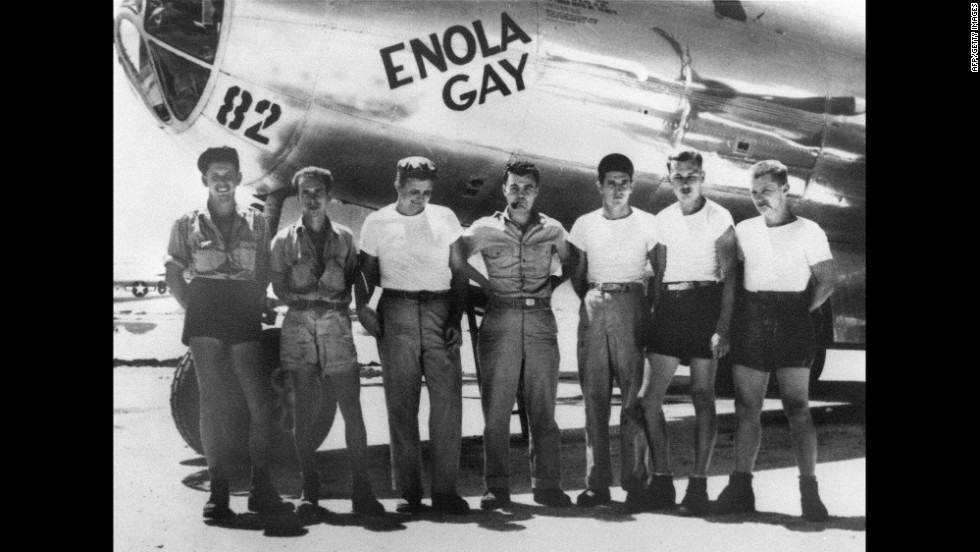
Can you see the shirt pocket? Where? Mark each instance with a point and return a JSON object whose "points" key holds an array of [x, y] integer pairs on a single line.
{"points": [[537, 260], [206, 253], [244, 255], [501, 260]]}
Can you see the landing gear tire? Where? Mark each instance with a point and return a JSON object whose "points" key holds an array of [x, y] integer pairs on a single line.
{"points": [[185, 409]]}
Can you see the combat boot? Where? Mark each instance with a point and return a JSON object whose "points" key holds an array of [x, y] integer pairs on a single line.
{"points": [[495, 497], [555, 498], [813, 508], [363, 499], [263, 497], [309, 504], [661, 494], [449, 503], [696, 501], [737, 497], [217, 505]]}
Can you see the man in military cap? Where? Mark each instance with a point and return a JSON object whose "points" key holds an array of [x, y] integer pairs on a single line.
{"points": [[224, 251]]}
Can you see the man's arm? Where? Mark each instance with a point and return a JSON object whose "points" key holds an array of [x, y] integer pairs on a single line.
{"points": [[580, 270], [368, 278], [176, 283], [468, 246], [658, 262], [823, 273], [278, 269], [179, 257], [458, 289], [727, 251]]}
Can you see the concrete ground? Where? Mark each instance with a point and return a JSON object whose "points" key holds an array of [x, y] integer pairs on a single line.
{"points": [[161, 484]]}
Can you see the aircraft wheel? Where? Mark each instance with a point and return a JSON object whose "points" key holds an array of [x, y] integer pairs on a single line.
{"points": [[185, 408]]}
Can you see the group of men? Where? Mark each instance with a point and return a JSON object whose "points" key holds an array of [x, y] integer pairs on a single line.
{"points": [[715, 287]]}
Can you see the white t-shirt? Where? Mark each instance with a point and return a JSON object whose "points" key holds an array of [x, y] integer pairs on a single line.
{"points": [[617, 249], [413, 251], [691, 239], [779, 258]]}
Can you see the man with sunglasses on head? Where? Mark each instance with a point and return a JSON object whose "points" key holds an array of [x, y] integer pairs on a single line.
{"points": [[615, 242], [773, 333], [518, 343], [411, 249], [690, 315], [313, 266]]}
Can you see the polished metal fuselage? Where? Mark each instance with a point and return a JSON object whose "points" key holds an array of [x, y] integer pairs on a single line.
{"points": [[562, 83]]}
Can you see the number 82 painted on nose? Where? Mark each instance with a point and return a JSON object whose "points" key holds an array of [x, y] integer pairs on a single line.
{"points": [[251, 132]]}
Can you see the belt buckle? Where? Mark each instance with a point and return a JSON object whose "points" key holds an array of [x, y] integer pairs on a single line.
{"points": [[529, 301]]}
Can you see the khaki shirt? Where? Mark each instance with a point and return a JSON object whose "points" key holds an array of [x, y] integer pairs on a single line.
{"points": [[198, 248], [293, 246], [519, 264]]}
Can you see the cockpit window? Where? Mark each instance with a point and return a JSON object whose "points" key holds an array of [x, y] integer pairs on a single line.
{"points": [[135, 5], [191, 26], [183, 80], [138, 60]]}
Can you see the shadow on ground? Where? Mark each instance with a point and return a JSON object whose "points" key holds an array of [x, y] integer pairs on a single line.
{"points": [[841, 436]]}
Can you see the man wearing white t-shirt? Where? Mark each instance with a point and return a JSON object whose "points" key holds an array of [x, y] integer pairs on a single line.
{"points": [[690, 317], [773, 333], [411, 250], [614, 244]]}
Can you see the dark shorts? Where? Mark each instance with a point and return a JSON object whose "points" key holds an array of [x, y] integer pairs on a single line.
{"points": [[773, 330], [228, 310], [684, 322]]}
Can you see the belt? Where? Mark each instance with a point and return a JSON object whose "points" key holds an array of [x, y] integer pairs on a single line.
{"points": [[682, 286], [777, 296], [621, 288], [520, 302], [421, 296], [305, 304]]}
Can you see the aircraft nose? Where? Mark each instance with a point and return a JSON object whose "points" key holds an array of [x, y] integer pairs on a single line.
{"points": [[167, 51]]}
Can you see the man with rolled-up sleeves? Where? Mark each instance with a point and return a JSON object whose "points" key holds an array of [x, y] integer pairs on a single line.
{"points": [[519, 336]]}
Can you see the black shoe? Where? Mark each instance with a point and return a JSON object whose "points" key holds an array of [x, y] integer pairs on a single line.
{"points": [[737, 497], [367, 505], [696, 501], [310, 509], [362, 498], [661, 494], [590, 498], [495, 497], [637, 500], [263, 497], [450, 503], [552, 497], [217, 511], [813, 508], [410, 506], [217, 505]]}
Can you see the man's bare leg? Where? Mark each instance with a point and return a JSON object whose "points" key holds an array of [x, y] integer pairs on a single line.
{"points": [[794, 389]]}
